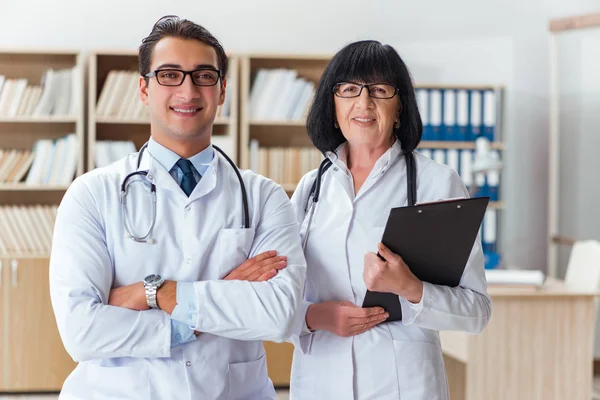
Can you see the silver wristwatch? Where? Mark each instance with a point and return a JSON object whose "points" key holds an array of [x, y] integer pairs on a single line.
{"points": [[151, 284]]}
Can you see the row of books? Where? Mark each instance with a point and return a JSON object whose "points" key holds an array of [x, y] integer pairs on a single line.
{"points": [[461, 160], [54, 161], [458, 114], [285, 165], [120, 97], [26, 230], [109, 151], [14, 164], [279, 94], [58, 95]]}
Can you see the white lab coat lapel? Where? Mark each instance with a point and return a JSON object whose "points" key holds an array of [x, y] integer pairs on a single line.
{"points": [[333, 228], [160, 176], [209, 180]]}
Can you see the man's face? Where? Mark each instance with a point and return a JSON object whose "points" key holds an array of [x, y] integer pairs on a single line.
{"points": [[186, 112]]}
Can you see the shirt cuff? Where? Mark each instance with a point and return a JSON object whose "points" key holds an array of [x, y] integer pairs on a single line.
{"points": [[410, 311], [302, 337], [181, 333], [302, 314], [186, 310]]}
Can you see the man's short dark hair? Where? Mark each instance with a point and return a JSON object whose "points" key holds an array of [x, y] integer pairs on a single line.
{"points": [[364, 61], [173, 26]]}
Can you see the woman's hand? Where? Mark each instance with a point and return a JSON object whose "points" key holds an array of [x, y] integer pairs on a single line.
{"points": [[391, 275], [343, 318]]}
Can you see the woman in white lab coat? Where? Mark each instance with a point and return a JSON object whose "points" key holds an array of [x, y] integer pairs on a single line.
{"points": [[365, 119]]}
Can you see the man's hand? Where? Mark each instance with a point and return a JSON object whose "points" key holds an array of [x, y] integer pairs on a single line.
{"points": [[258, 268], [343, 318], [391, 275], [131, 296]]}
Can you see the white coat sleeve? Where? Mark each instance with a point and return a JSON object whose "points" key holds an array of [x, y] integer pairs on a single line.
{"points": [[466, 307], [81, 277], [258, 310]]}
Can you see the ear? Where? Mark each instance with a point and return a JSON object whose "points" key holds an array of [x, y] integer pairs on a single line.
{"points": [[222, 95], [143, 89]]}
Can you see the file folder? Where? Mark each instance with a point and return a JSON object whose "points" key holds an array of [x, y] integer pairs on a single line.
{"points": [[434, 240]]}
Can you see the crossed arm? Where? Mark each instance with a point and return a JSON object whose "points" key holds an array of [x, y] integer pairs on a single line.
{"points": [[259, 268], [81, 283]]}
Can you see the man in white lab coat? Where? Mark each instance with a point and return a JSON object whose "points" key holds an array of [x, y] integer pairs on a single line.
{"points": [[138, 288]]}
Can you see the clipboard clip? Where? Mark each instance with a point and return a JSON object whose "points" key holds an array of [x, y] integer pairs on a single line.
{"points": [[442, 201]]}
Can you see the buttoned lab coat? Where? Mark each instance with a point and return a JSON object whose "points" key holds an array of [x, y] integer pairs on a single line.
{"points": [[126, 354], [395, 360]]}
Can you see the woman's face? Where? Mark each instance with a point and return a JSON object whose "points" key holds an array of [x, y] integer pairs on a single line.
{"points": [[365, 120]]}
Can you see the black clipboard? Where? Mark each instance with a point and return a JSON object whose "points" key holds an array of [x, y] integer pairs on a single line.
{"points": [[434, 239]]}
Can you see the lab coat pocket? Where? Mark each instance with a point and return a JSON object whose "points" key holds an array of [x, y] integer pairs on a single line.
{"points": [[421, 371], [233, 247], [248, 380], [126, 382]]}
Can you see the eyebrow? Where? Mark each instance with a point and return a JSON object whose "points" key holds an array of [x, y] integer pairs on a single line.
{"points": [[177, 66]]}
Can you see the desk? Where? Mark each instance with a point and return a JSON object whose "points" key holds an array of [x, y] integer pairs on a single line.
{"points": [[538, 345]]}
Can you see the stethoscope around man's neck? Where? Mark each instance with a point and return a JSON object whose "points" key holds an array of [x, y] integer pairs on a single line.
{"points": [[315, 190], [146, 237]]}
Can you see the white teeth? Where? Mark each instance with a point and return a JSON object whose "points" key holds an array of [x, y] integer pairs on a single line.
{"points": [[185, 111], [363, 119]]}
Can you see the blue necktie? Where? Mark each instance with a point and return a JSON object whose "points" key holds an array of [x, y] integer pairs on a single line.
{"points": [[188, 183]]}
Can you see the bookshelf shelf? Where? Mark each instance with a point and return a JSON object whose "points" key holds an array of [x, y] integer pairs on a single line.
{"points": [[456, 145], [282, 123], [425, 85], [21, 187], [39, 120]]}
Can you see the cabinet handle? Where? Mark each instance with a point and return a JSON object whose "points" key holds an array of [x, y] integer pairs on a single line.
{"points": [[15, 268]]}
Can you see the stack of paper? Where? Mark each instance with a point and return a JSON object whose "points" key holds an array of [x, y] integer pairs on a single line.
{"points": [[514, 277]]}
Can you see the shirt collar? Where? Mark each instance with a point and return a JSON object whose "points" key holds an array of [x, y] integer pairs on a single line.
{"points": [[340, 156], [167, 158]]}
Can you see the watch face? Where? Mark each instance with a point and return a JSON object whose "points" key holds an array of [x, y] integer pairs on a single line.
{"points": [[152, 279]]}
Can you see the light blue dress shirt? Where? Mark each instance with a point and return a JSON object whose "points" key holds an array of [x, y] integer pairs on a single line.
{"points": [[185, 312]]}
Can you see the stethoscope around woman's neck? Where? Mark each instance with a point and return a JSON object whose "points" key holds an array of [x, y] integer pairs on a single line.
{"points": [[315, 190], [146, 237]]}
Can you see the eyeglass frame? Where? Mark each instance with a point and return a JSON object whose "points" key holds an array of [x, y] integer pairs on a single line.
{"points": [[185, 74], [362, 86]]}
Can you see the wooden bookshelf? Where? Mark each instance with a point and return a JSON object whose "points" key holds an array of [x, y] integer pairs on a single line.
{"points": [[28, 364], [22, 132], [271, 133], [103, 126]]}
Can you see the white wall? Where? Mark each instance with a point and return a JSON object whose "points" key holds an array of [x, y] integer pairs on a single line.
{"points": [[461, 41]]}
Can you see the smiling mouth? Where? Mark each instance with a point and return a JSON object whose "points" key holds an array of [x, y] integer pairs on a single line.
{"points": [[185, 110], [364, 119]]}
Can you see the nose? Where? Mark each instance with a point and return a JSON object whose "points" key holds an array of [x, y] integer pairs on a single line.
{"points": [[363, 99], [187, 89]]}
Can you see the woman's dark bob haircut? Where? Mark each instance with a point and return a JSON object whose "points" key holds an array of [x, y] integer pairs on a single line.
{"points": [[366, 61]]}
